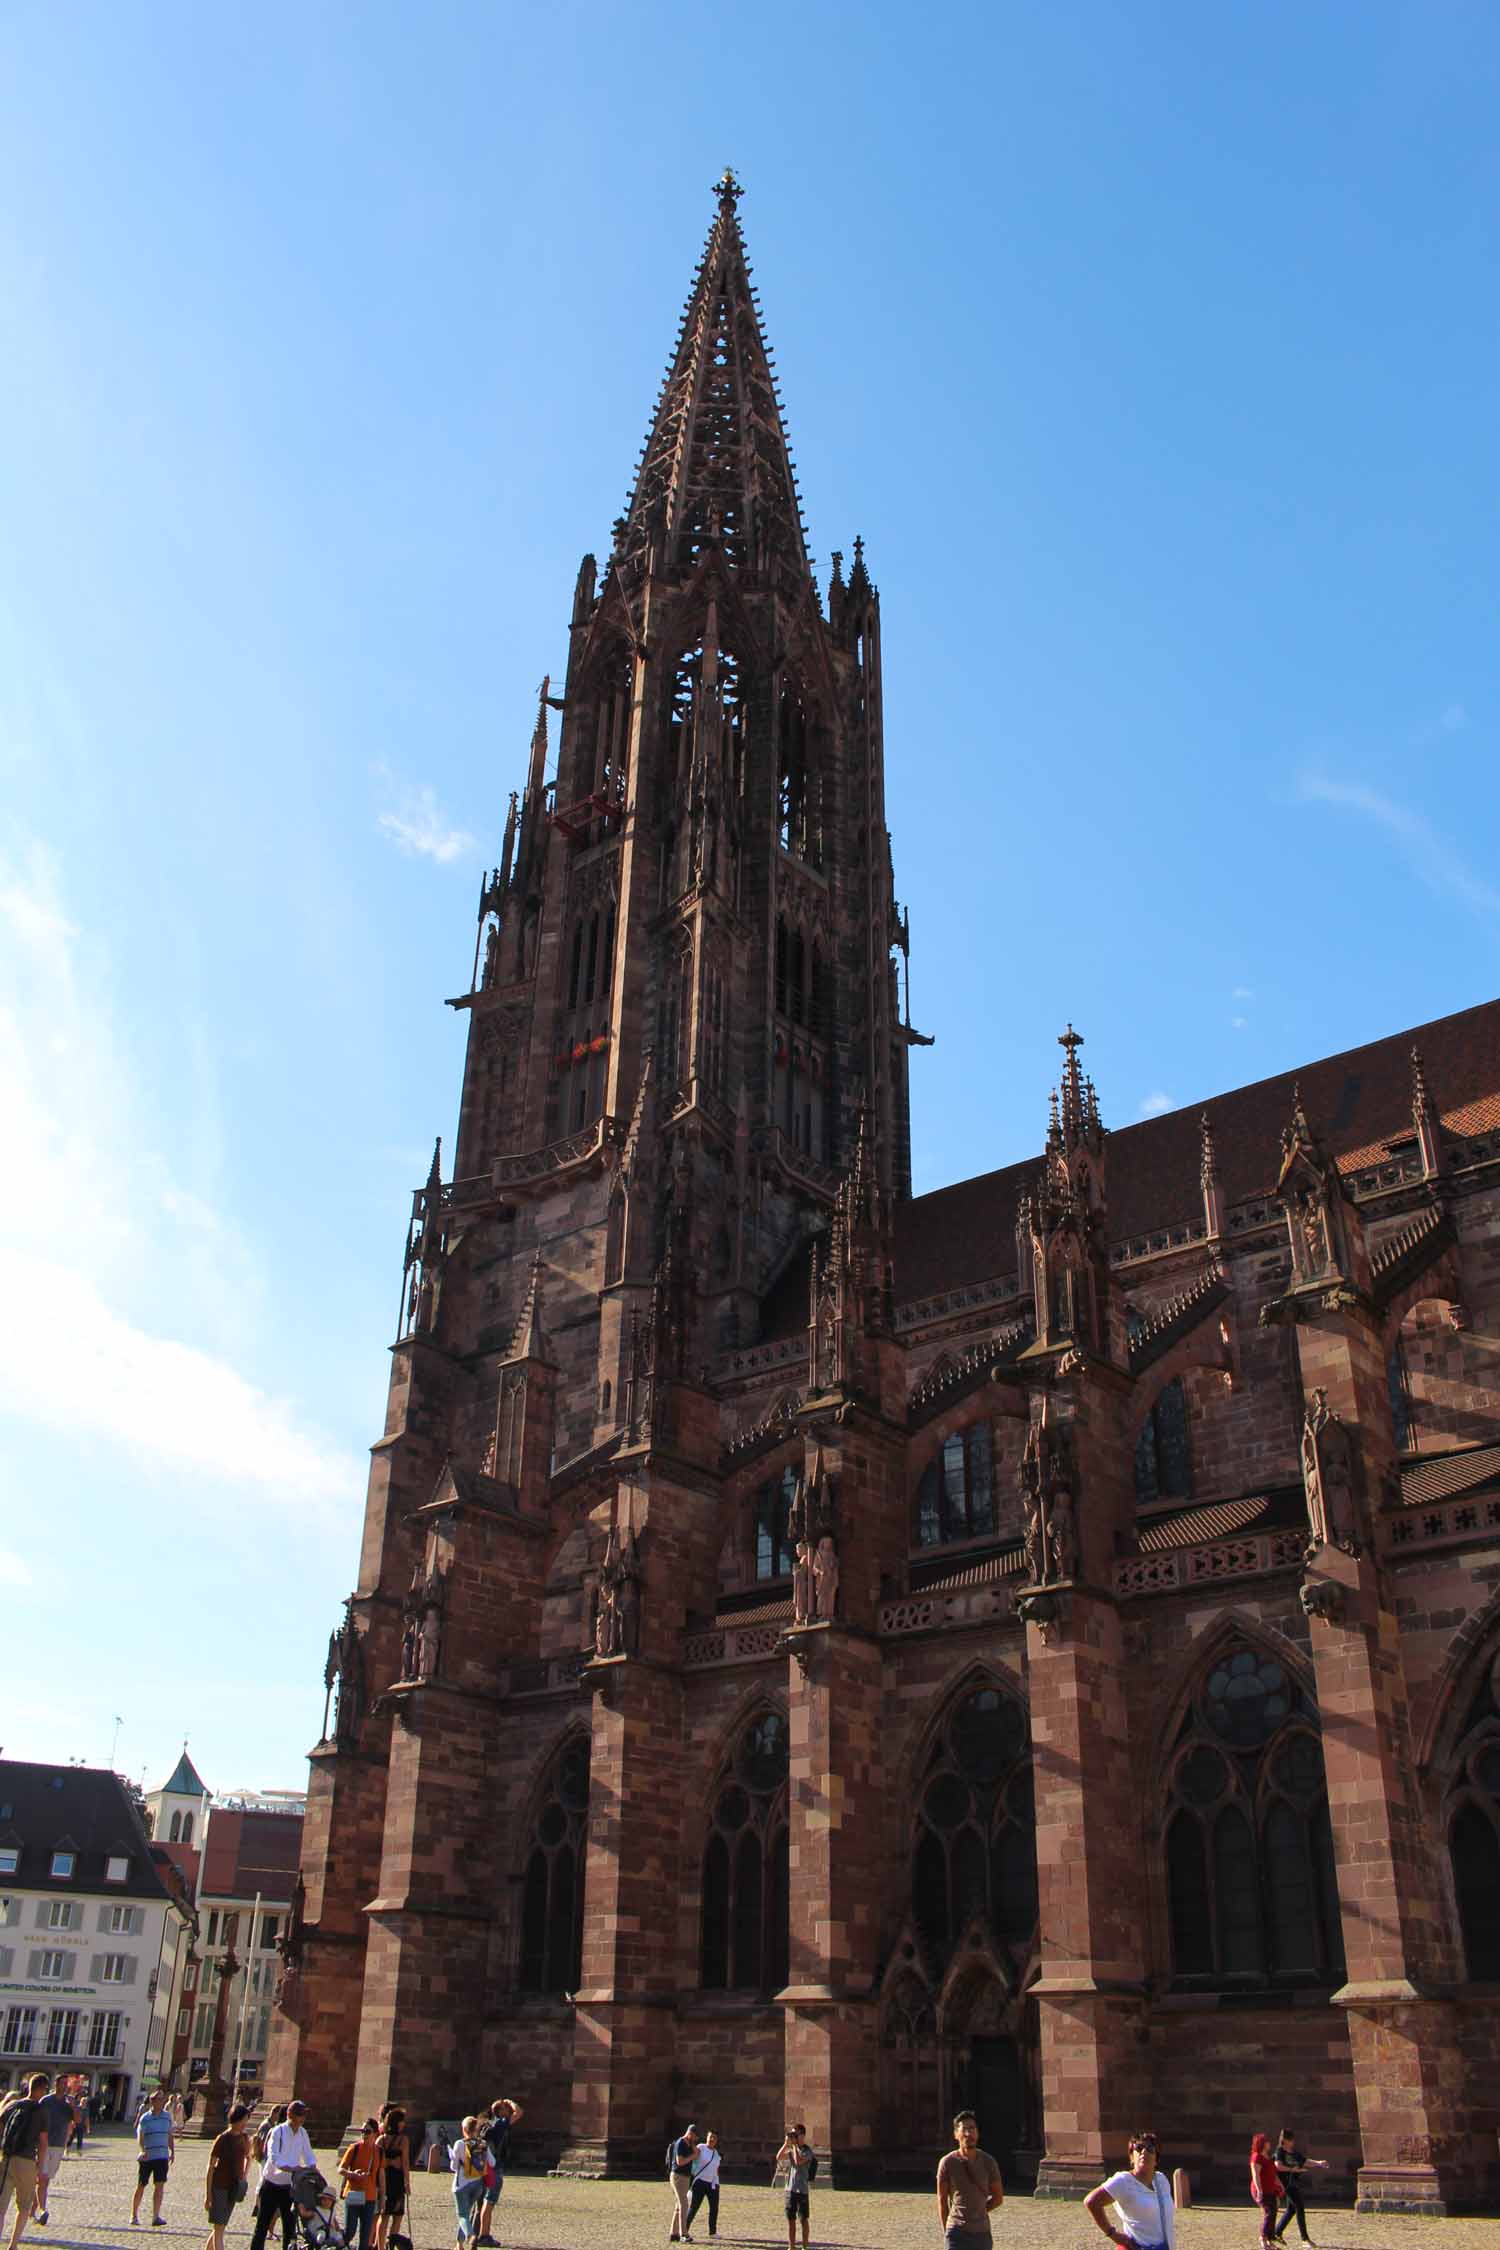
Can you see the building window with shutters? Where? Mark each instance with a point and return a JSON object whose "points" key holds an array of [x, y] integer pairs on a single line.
{"points": [[552, 1888], [115, 1968], [52, 1968], [1251, 1890], [62, 1914]]}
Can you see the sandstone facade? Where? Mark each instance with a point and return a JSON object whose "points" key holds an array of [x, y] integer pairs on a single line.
{"points": [[820, 1650]]}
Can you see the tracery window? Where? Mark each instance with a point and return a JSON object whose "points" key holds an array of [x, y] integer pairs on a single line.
{"points": [[746, 1866], [1163, 1462], [552, 1894], [1398, 1386], [1251, 1888], [956, 1490], [799, 1054], [1474, 1830], [975, 1847], [773, 1544], [798, 812]]}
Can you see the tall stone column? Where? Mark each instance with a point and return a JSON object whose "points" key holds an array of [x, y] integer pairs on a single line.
{"points": [[664, 1533], [836, 1783], [850, 1527], [1408, 2070], [1408, 2077], [1090, 1889]]}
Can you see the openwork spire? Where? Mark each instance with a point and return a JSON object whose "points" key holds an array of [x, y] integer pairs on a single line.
{"points": [[716, 466]]}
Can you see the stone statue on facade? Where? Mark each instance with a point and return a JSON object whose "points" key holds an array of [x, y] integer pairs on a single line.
{"points": [[344, 1680], [1050, 1541], [1329, 1479]]}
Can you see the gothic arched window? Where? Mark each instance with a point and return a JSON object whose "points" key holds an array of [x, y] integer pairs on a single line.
{"points": [[1251, 1890], [1398, 1387], [174, 1832], [187, 1827], [1163, 1463], [956, 1490], [773, 1542], [746, 1866], [1474, 1830], [798, 825], [552, 1892], [975, 1850]]}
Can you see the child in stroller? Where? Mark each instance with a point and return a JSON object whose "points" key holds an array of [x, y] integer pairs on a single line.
{"points": [[314, 2206]]}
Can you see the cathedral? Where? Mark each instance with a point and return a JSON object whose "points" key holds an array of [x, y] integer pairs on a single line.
{"points": [[822, 1652]]}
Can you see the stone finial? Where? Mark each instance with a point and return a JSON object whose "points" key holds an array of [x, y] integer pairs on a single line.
{"points": [[530, 1341], [728, 190], [1425, 1119], [1208, 1176]]}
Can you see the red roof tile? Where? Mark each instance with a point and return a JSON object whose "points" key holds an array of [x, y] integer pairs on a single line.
{"points": [[1355, 1101]]}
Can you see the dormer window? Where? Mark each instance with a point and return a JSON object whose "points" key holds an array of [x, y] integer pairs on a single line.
{"points": [[10, 1859], [63, 1864], [116, 1868]]}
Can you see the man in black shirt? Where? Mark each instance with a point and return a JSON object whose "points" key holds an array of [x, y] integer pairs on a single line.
{"points": [[496, 2136], [1290, 2164]]}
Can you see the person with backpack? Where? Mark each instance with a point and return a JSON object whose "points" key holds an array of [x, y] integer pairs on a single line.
{"points": [[359, 2169], [469, 2162], [801, 2166], [23, 2149], [680, 2155]]}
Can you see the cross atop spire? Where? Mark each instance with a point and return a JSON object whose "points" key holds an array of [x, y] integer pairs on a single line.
{"points": [[717, 470]]}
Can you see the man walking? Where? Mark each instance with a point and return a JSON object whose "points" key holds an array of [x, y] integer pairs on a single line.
{"points": [[155, 2147], [57, 2113], [968, 2188], [503, 2114], [680, 2172], [287, 2148], [23, 2150]]}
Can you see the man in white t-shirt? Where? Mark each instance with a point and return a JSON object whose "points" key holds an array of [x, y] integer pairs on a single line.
{"points": [[287, 2150], [1142, 2201]]}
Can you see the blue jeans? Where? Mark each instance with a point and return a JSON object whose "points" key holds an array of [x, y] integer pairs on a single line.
{"points": [[467, 2197], [359, 2222]]}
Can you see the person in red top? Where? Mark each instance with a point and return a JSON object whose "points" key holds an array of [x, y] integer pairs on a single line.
{"points": [[1265, 2185]]}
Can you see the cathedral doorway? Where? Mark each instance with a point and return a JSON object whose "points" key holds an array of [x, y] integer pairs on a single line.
{"points": [[990, 2037], [994, 2093]]}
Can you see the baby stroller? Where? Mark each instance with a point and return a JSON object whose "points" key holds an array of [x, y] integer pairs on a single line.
{"points": [[315, 2207]]}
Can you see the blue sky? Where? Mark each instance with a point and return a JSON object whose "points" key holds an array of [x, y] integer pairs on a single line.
{"points": [[1151, 348]]}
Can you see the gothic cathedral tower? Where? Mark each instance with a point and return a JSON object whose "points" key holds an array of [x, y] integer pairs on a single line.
{"points": [[683, 1127]]}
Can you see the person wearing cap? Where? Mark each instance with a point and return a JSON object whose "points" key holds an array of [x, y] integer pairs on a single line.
{"points": [[287, 2148]]}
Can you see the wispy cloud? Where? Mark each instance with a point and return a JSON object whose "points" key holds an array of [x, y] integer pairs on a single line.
{"points": [[1451, 720], [1156, 1105], [1239, 1023], [417, 824], [1431, 857], [108, 1248], [1242, 992]]}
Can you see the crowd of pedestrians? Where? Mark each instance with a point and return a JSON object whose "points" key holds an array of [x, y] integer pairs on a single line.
{"points": [[1134, 2207]]}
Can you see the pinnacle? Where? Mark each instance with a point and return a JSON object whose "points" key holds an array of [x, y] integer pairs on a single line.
{"points": [[716, 472]]}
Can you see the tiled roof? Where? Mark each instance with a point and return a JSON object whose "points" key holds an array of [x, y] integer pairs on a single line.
{"points": [[1444, 1475], [1355, 1101], [82, 1809], [1001, 1565], [1219, 1519], [764, 1613]]}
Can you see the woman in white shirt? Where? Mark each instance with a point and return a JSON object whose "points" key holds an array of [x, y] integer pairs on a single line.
{"points": [[706, 2183], [1142, 2201]]}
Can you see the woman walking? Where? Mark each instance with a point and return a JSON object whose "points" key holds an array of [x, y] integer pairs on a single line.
{"points": [[359, 2169], [1265, 2185], [1142, 2201]]}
